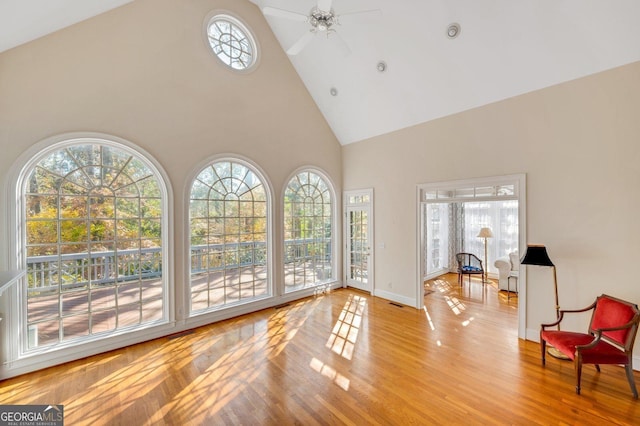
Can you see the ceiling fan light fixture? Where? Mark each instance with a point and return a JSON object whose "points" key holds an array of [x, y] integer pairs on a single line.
{"points": [[453, 30], [322, 21]]}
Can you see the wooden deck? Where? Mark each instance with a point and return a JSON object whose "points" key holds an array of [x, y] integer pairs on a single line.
{"points": [[131, 303], [339, 358]]}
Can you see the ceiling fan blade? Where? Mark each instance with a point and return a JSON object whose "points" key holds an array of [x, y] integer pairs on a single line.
{"points": [[324, 5], [301, 43], [286, 14]]}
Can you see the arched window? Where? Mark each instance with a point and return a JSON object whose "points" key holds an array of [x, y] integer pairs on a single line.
{"points": [[229, 209], [94, 232], [232, 42], [308, 231]]}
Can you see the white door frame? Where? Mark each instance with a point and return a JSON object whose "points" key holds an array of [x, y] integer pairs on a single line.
{"points": [[520, 182], [365, 202]]}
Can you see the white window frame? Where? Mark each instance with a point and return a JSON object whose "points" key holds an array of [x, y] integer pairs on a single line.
{"points": [[242, 25], [367, 205], [334, 243], [201, 317], [18, 359]]}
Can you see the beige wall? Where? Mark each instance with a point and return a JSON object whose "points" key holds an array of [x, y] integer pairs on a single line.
{"points": [[578, 144], [145, 73]]}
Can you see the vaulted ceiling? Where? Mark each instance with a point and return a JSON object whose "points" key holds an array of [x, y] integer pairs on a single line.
{"points": [[22, 21], [505, 48]]}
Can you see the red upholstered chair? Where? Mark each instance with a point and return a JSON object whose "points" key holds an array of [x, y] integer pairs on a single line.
{"points": [[612, 331]]}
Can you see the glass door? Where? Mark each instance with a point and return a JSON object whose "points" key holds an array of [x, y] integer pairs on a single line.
{"points": [[359, 240]]}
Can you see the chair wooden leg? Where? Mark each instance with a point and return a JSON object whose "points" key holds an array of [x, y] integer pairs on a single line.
{"points": [[597, 367], [578, 362], [632, 383], [543, 347]]}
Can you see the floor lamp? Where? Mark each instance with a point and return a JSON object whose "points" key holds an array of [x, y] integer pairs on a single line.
{"points": [[485, 233], [537, 255]]}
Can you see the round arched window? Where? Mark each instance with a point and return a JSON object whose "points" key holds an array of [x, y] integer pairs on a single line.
{"points": [[232, 42]]}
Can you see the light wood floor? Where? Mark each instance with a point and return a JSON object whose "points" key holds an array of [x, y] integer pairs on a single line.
{"points": [[340, 358]]}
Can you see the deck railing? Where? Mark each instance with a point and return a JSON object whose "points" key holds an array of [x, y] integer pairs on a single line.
{"points": [[77, 270]]}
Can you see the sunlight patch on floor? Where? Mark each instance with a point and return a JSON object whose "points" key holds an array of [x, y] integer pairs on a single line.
{"points": [[330, 373], [429, 318], [467, 322], [455, 304], [443, 286], [345, 332], [225, 376]]}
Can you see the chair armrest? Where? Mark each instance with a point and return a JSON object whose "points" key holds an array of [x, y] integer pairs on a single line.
{"points": [[502, 264], [598, 335], [567, 311], [553, 324]]}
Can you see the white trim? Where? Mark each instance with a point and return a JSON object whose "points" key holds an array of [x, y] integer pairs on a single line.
{"points": [[236, 20], [16, 356], [520, 181], [522, 243], [471, 184], [394, 297], [255, 168]]}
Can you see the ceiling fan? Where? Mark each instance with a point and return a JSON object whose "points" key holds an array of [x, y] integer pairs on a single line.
{"points": [[322, 18]]}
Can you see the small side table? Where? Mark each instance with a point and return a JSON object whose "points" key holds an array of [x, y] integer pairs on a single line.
{"points": [[512, 274]]}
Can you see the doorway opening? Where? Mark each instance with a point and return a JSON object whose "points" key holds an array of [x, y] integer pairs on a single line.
{"points": [[484, 216]]}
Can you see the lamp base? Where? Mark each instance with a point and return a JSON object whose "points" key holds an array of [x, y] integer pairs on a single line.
{"points": [[556, 353]]}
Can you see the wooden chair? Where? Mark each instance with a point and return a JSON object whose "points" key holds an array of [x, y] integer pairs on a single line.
{"points": [[469, 264], [609, 340]]}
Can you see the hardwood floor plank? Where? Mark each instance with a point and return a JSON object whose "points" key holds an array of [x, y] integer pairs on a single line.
{"points": [[343, 357]]}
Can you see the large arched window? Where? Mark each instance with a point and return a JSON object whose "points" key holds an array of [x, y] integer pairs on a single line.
{"points": [[94, 251], [228, 209], [308, 231]]}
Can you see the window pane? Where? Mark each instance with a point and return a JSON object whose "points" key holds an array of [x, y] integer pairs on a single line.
{"points": [[485, 191], [94, 238], [228, 236], [308, 227]]}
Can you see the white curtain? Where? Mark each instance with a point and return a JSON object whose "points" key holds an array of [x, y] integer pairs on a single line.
{"points": [[437, 245], [502, 218], [452, 228]]}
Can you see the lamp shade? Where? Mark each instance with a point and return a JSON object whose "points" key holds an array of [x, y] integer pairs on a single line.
{"points": [[485, 233], [536, 255]]}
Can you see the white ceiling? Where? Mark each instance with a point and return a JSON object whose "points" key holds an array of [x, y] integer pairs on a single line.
{"points": [[506, 48], [24, 20]]}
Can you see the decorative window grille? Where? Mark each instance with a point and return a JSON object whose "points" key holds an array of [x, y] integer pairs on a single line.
{"points": [[232, 42], [308, 230], [94, 251], [229, 212]]}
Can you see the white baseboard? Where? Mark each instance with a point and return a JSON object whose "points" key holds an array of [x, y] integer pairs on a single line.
{"points": [[395, 297]]}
